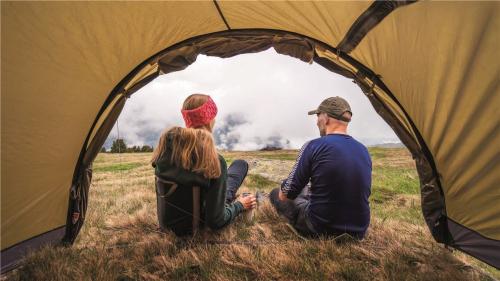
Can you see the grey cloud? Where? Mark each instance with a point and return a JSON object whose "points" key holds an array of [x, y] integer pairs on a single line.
{"points": [[225, 135]]}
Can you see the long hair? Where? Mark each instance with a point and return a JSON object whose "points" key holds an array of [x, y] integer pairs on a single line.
{"points": [[193, 149]]}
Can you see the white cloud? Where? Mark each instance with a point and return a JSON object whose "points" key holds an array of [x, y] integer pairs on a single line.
{"points": [[273, 92]]}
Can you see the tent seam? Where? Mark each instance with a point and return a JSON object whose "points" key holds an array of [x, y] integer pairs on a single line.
{"points": [[368, 20], [222, 15]]}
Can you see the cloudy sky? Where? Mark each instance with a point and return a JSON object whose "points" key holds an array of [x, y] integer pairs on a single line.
{"points": [[262, 98]]}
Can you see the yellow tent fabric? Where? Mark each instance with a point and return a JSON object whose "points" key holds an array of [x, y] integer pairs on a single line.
{"points": [[63, 63], [60, 61], [450, 87]]}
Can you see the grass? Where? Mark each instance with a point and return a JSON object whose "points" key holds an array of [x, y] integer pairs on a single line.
{"points": [[377, 153], [120, 239], [259, 182], [280, 156], [397, 180], [116, 167]]}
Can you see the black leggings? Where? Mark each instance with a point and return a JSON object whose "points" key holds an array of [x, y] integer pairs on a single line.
{"points": [[236, 173]]}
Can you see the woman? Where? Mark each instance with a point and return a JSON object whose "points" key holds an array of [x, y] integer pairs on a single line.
{"points": [[187, 157]]}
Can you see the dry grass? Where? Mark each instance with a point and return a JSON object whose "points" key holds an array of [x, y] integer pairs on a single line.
{"points": [[120, 239]]}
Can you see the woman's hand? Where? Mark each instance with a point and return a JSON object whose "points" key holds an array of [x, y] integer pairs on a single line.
{"points": [[249, 202]]}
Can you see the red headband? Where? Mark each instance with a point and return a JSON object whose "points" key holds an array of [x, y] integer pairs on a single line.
{"points": [[201, 115]]}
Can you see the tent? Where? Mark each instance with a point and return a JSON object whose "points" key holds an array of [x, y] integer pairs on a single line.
{"points": [[430, 69]]}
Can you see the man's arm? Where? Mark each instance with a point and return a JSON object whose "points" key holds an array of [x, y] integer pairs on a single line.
{"points": [[299, 176]]}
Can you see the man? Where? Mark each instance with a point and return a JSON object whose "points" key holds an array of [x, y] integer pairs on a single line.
{"points": [[339, 170]]}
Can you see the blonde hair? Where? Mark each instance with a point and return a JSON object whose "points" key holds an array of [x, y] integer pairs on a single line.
{"points": [[193, 149]]}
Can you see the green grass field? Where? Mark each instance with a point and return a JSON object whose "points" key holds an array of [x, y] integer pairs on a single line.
{"points": [[121, 240]]}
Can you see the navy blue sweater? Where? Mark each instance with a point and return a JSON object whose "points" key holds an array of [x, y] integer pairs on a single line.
{"points": [[339, 168]]}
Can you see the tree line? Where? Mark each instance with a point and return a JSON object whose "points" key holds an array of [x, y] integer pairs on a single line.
{"points": [[119, 146]]}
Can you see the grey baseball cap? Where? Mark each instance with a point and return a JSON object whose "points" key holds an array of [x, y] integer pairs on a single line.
{"points": [[335, 107]]}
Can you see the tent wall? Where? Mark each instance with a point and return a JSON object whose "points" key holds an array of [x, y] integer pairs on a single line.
{"points": [[60, 62], [449, 85], [427, 68]]}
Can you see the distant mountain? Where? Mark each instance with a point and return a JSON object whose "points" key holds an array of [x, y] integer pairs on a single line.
{"points": [[389, 145]]}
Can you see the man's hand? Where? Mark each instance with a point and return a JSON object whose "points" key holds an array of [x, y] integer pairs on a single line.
{"points": [[282, 196]]}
